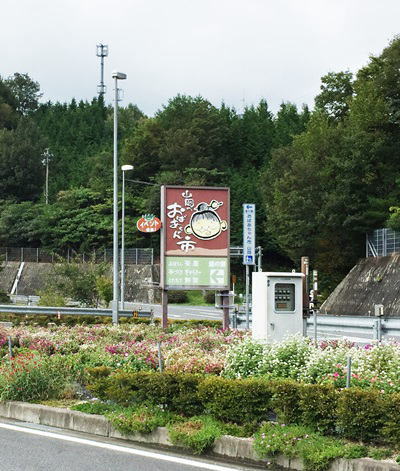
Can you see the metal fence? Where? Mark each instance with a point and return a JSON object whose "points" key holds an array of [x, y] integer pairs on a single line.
{"points": [[355, 328], [382, 242], [135, 256]]}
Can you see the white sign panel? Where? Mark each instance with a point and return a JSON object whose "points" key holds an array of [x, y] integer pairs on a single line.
{"points": [[249, 234]]}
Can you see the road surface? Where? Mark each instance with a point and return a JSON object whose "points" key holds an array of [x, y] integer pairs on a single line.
{"points": [[32, 447]]}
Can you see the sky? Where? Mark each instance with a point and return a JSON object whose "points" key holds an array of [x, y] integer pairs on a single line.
{"points": [[232, 51]]}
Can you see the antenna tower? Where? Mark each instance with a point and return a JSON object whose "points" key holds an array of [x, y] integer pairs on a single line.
{"points": [[102, 52]]}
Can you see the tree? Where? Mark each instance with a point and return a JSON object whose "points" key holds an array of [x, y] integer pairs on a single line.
{"points": [[336, 94], [21, 170], [86, 283], [26, 92]]}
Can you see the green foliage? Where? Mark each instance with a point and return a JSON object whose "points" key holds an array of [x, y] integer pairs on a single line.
{"points": [[97, 407], [30, 378], [285, 400], [86, 283], [391, 427], [197, 434], [176, 392], [318, 406], [238, 401], [361, 414], [51, 298], [177, 297], [142, 419], [316, 451]]}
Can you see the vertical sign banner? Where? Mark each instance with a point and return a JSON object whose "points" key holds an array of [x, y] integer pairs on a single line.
{"points": [[195, 237], [249, 234]]}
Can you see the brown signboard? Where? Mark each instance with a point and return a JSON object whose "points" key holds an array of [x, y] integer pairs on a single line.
{"points": [[195, 237]]}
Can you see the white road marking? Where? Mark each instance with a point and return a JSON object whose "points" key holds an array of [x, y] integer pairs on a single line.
{"points": [[108, 446]]}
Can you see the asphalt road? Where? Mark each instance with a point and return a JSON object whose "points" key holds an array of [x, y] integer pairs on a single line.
{"points": [[178, 311], [30, 447]]}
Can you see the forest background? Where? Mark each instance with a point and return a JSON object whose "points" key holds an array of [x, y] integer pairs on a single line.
{"points": [[321, 179]]}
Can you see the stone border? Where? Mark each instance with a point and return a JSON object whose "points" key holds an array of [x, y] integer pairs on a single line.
{"points": [[224, 447]]}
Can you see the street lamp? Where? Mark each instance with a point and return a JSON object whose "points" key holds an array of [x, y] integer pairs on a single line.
{"points": [[124, 169], [116, 76], [45, 161]]}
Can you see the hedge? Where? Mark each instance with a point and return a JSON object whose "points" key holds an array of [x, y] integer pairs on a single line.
{"points": [[367, 415]]}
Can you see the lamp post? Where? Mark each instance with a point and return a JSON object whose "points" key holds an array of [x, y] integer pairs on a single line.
{"points": [[124, 169], [45, 161], [116, 76]]}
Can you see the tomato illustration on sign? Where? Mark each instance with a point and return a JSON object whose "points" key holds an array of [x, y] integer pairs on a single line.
{"points": [[205, 223], [148, 223]]}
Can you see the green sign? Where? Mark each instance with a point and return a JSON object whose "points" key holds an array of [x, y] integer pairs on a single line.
{"points": [[196, 271]]}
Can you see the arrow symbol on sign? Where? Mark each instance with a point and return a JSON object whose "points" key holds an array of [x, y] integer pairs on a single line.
{"points": [[217, 276]]}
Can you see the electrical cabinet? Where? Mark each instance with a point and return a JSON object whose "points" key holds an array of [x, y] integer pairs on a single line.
{"points": [[277, 309]]}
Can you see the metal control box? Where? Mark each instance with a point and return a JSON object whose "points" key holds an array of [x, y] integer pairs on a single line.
{"points": [[277, 305]]}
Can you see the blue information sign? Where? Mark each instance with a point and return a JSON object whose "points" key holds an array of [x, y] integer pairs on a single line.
{"points": [[249, 234]]}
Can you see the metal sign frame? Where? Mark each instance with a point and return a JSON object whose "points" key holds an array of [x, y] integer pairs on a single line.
{"points": [[163, 242]]}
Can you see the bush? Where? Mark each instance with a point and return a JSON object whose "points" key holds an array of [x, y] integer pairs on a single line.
{"points": [[318, 405], [285, 400], [238, 401], [177, 297], [361, 414], [391, 428], [197, 434], [209, 297], [176, 392]]}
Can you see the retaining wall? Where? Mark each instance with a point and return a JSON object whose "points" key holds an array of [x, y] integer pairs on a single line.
{"points": [[374, 280]]}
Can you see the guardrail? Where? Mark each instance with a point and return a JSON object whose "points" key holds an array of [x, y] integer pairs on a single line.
{"points": [[365, 327], [71, 311]]}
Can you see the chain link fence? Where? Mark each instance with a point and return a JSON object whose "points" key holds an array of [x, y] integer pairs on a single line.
{"points": [[28, 254]]}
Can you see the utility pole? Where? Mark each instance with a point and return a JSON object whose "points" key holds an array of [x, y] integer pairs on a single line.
{"points": [[102, 52], [47, 156]]}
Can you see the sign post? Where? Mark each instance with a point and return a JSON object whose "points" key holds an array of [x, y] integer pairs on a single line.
{"points": [[249, 249], [194, 240]]}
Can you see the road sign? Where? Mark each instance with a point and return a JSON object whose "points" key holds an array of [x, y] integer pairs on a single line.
{"points": [[202, 272], [195, 238], [249, 234]]}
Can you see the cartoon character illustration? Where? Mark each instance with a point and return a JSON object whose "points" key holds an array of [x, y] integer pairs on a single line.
{"points": [[205, 223]]}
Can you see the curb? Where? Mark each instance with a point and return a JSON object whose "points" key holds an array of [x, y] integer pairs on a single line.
{"points": [[227, 447]]}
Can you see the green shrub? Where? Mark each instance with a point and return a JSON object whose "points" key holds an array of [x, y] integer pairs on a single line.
{"points": [[238, 401], [177, 297], [318, 405], [285, 400], [197, 434], [391, 427], [142, 419], [209, 297], [361, 414], [379, 453], [177, 392]]}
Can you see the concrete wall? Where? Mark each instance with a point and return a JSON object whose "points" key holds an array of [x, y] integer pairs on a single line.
{"points": [[35, 276], [7, 275], [374, 280]]}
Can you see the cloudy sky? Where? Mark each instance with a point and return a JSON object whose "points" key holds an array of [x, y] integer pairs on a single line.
{"points": [[236, 51]]}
